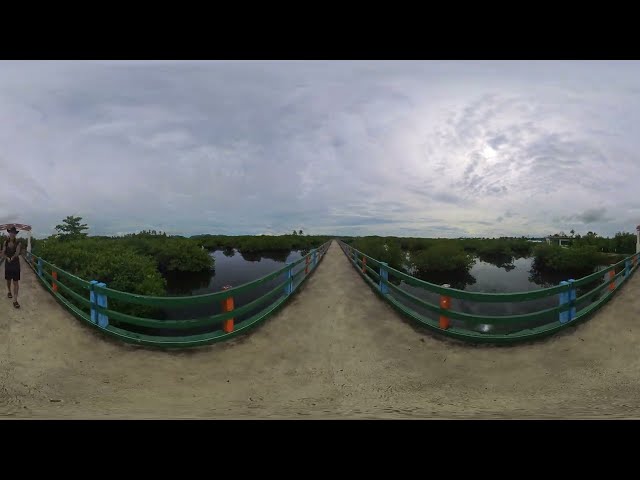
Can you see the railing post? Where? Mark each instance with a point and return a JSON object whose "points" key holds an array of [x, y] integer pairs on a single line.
{"points": [[445, 302], [572, 299], [227, 306], [40, 267], [364, 264], [612, 282], [288, 288], [564, 299], [315, 258], [93, 300], [306, 264], [384, 278], [54, 282], [103, 319], [627, 267]]}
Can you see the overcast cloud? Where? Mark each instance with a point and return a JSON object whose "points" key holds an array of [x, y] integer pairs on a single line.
{"points": [[440, 149]]}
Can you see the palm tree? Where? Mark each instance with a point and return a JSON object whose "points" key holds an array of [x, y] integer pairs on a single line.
{"points": [[300, 232], [572, 232]]}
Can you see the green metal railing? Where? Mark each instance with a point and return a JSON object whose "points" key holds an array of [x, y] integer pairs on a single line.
{"points": [[94, 298], [377, 274]]}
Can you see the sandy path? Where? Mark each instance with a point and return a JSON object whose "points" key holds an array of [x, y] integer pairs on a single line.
{"points": [[335, 351]]}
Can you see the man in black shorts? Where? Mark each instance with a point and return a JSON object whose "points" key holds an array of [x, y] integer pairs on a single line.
{"points": [[11, 253]]}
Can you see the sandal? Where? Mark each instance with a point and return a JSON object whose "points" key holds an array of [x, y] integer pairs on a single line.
{"points": [[9, 295], [16, 304]]}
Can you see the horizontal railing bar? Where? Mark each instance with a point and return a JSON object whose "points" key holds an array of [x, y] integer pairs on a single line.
{"points": [[191, 323], [195, 299], [491, 297], [472, 318], [75, 295], [204, 299], [373, 272]]}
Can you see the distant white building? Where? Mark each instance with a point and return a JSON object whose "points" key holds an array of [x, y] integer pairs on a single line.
{"points": [[562, 241]]}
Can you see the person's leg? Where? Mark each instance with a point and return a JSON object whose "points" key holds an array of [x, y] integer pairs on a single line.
{"points": [[16, 287], [8, 287]]}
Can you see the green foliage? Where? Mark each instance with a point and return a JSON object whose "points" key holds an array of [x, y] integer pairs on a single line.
{"points": [[171, 254], [106, 261], [383, 249], [577, 260], [442, 257], [621, 242], [71, 228], [263, 243]]}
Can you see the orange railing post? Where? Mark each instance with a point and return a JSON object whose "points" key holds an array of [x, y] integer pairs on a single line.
{"points": [[364, 264], [227, 306], [54, 285], [306, 265], [445, 302], [612, 282]]}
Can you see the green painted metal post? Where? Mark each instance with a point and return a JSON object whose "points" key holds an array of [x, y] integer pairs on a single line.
{"points": [[384, 278], [572, 299], [564, 299]]}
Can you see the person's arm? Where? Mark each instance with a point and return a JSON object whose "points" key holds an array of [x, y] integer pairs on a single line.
{"points": [[17, 254], [2, 251]]}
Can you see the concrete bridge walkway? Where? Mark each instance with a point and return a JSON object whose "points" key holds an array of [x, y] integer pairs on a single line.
{"points": [[335, 351]]}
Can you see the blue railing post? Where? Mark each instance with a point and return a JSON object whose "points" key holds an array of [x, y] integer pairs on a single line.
{"points": [[572, 299], [627, 267], [564, 299], [384, 278], [40, 267], [93, 301], [315, 258], [288, 288], [103, 319]]}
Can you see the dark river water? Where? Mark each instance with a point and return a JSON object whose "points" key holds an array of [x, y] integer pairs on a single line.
{"points": [[232, 268], [501, 275]]}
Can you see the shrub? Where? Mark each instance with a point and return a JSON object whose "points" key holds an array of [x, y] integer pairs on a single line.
{"points": [[106, 261], [577, 260], [382, 249], [442, 257]]}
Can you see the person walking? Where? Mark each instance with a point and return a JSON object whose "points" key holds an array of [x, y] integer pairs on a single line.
{"points": [[11, 253]]}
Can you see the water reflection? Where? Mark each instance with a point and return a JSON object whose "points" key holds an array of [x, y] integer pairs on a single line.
{"points": [[499, 260], [182, 284], [491, 274], [276, 256], [546, 279], [457, 280], [231, 268]]}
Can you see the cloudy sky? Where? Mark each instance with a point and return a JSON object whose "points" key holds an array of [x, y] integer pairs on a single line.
{"points": [[425, 148]]}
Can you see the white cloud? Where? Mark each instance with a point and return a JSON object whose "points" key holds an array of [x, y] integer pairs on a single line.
{"points": [[404, 148]]}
